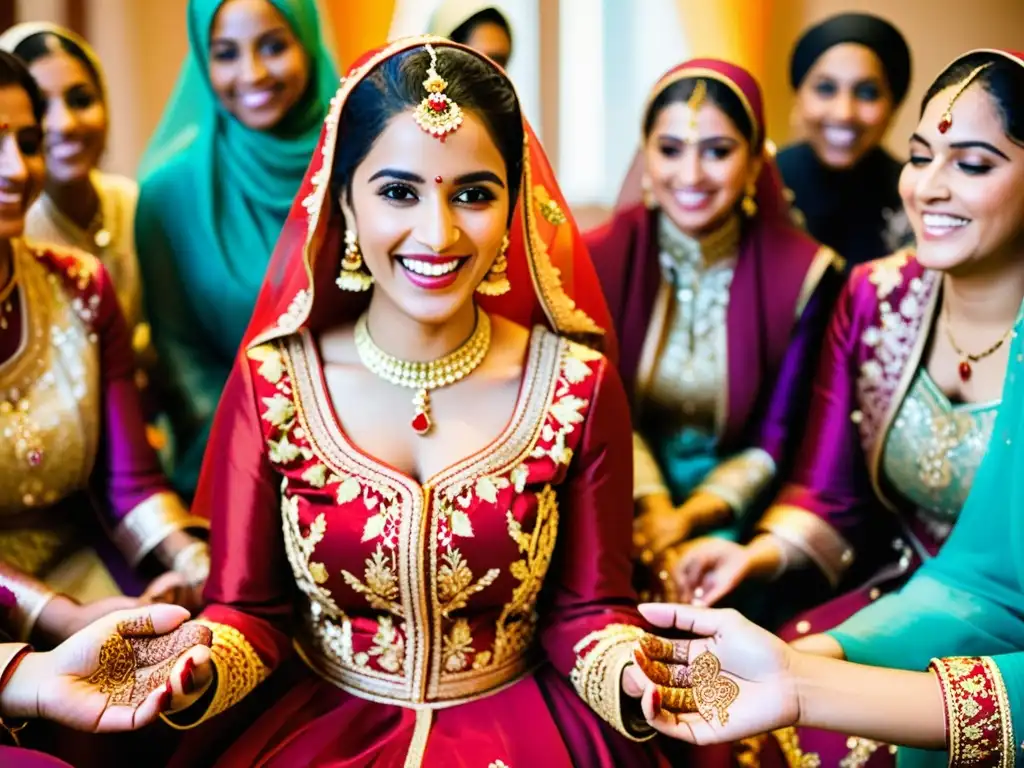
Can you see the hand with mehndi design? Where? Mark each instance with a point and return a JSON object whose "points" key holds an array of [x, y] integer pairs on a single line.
{"points": [[117, 674], [730, 681]]}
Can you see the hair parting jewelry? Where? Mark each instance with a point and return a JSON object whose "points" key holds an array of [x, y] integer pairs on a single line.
{"points": [[694, 103], [946, 121], [496, 282], [428, 376], [437, 114], [352, 276]]}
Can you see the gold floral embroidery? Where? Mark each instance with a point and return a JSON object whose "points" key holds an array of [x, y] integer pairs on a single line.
{"points": [[518, 619], [458, 645], [892, 341], [271, 365], [388, 647], [549, 209], [567, 409], [309, 575]]}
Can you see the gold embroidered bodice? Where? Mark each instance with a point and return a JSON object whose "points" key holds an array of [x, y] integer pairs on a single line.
{"points": [[933, 452], [422, 593], [686, 382], [49, 409]]}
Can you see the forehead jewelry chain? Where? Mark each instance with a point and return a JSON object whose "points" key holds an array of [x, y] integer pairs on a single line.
{"points": [[946, 121], [428, 376], [700, 93], [437, 114]]}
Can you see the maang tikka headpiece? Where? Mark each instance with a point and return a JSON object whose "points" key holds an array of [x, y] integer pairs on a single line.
{"points": [[437, 114], [700, 92], [946, 121]]}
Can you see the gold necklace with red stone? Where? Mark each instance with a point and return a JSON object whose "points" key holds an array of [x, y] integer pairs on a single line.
{"points": [[427, 376], [964, 369]]}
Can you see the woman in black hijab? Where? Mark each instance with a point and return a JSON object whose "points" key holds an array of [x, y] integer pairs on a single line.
{"points": [[850, 73]]}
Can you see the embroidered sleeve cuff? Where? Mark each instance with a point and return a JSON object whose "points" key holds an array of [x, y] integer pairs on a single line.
{"points": [[740, 479], [979, 725], [239, 670], [600, 659], [647, 478], [31, 598], [811, 535], [150, 522]]}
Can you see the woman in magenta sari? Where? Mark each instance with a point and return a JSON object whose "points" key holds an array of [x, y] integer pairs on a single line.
{"points": [[427, 500], [718, 300], [73, 439], [909, 387]]}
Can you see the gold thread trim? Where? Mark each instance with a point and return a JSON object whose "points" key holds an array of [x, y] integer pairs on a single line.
{"points": [[420, 733], [150, 522], [601, 657]]}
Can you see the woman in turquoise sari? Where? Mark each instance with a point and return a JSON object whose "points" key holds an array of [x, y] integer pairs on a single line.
{"points": [[961, 616], [217, 181]]}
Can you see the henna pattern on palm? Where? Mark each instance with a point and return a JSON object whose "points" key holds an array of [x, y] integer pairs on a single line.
{"points": [[132, 665], [687, 687]]}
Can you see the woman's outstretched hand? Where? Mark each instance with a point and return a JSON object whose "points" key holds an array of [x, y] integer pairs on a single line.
{"points": [[117, 674], [731, 680]]}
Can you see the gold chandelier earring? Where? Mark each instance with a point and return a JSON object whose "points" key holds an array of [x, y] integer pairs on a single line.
{"points": [[749, 203], [496, 283], [353, 276]]}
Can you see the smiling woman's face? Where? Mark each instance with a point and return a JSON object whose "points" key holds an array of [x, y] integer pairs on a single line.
{"points": [[844, 104], [698, 184], [21, 159], [258, 68], [430, 217], [963, 190]]}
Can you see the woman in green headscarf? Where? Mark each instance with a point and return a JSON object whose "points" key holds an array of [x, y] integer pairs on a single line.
{"points": [[217, 181]]}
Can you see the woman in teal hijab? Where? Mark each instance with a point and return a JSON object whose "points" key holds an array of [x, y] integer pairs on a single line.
{"points": [[217, 181]]}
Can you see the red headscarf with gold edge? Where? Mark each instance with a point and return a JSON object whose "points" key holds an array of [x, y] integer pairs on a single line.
{"points": [[552, 278]]}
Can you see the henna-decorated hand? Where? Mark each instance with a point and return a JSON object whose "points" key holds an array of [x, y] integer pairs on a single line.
{"points": [[731, 681], [114, 675]]}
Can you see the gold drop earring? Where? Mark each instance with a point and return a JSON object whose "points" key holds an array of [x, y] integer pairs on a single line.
{"points": [[496, 283], [352, 276], [749, 203]]}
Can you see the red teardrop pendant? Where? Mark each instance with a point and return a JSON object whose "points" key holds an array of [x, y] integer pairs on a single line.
{"points": [[421, 423], [945, 123], [965, 371]]}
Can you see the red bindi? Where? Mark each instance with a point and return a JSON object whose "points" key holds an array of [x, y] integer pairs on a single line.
{"points": [[438, 179]]}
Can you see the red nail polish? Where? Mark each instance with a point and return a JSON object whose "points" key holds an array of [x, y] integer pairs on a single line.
{"points": [[165, 697], [656, 700], [188, 680]]}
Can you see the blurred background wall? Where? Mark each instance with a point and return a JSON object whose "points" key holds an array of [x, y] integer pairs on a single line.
{"points": [[583, 67]]}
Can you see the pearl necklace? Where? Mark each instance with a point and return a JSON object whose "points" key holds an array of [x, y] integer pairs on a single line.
{"points": [[424, 377]]}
